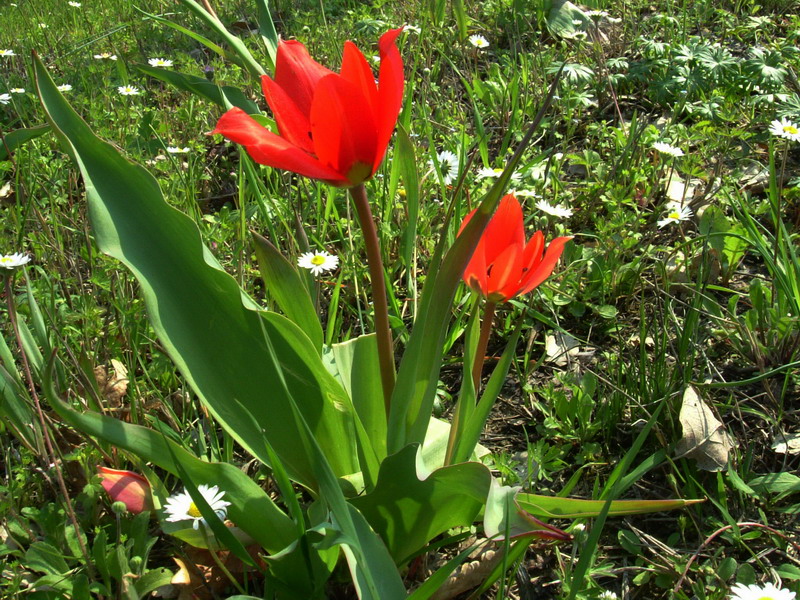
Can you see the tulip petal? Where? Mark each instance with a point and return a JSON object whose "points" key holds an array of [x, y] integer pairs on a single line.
{"points": [[356, 70], [504, 274], [343, 128], [504, 229], [298, 74], [544, 269], [127, 487], [266, 148], [390, 91], [293, 125]]}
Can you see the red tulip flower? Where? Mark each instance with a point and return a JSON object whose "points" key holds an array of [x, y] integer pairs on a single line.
{"points": [[332, 126], [127, 487], [504, 265]]}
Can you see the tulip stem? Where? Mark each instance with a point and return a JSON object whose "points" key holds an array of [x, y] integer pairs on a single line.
{"points": [[483, 342], [379, 301]]}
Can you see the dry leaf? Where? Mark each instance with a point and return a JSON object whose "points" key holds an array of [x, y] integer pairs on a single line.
{"points": [[788, 443], [560, 348], [704, 437], [112, 386]]}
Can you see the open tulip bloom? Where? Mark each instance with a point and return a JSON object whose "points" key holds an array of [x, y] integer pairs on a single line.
{"points": [[332, 127], [503, 264]]}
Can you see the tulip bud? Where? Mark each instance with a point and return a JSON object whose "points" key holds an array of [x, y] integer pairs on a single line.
{"points": [[127, 487]]}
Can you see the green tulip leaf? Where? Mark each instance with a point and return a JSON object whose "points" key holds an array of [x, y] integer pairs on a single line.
{"points": [[14, 139], [408, 512], [200, 86], [232, 353]]}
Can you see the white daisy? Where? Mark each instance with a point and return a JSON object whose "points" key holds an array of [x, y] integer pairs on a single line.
{"points": [[608, 595], [448, 165], [785, 129], [43, 26], [64, 87], [412, 29], [17, 90], [128, 90], [178, 149], [754, 592], [5, 98], [181, 507], [318, 262], [159, 62], [478, 41], [489, 173], [556, 211], [105, 56], [524, 193], [7, 53], [74, 4], [665, 148], [12, 261], [675, 214]]}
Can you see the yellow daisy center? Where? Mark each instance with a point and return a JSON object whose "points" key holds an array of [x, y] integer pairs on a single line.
{"points": [[318, 260], [5, 260], [790, 129], [674, 215], [193, 511]]}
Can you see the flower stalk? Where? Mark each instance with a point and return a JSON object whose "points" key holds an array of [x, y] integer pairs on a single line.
{"points": [[380, 303], [483, 342]]}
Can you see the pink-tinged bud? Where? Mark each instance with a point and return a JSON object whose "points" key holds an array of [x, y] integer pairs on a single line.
{"points": [[127, 487]]}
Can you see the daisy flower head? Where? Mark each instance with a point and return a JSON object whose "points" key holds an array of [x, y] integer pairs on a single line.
{"points": [[5, 98], [17, 90], [412, 29], [105, 56], [555, 211], [64, 87], [178, 149], [14, 261], [43, 26], [318, 262], [7, 52], [74, 4], [755, 592], [675, 214], [159, 62], [128, 90], [448, 165], [478, 41], [489, 173], [608, 595], [786, 129], [668, 149], [181, 507]]}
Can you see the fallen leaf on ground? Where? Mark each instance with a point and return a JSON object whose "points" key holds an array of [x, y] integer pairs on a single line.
{"points": [[704, 436], [788, 443]]}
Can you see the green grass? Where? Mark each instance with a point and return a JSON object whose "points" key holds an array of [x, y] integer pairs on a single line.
{"points": [[713, 301]]}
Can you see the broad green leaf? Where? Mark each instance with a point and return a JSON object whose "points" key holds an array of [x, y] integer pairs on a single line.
{"points": [[202, 87], [45, 558], [14, 139], [503, 517], [285, 285], [409, 512], [251, 508], [15, 408], [214, 333], [554, 507]]}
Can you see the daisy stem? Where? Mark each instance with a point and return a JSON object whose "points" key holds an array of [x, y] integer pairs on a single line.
{"points": [[219, 563], [483, 342], [379, 301]]}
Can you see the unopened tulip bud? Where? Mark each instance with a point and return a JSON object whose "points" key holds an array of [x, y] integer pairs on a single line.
{"points": [[127, 487]]}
